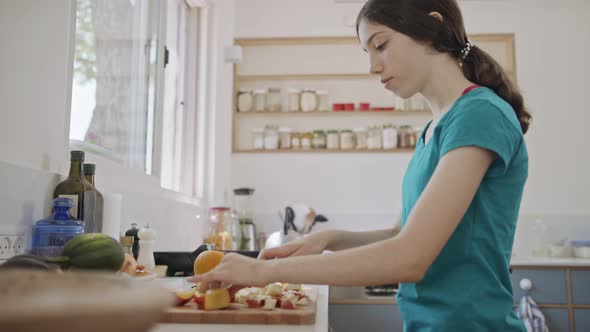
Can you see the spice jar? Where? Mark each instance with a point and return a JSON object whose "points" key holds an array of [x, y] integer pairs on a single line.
{"points": [[293, 96], [374, 140], [296, 141], [260, 100], [332, 139], [405, 132], [271, 138], [306, 139], [346, 139], [360, 136], [323, 100], [389, 137], [285, 137], [258, 138], [273, 102], [309, 102], [245, 101], [319, 139]]}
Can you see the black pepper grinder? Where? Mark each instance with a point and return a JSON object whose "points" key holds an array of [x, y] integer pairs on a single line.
{"points": [[133, 232]]}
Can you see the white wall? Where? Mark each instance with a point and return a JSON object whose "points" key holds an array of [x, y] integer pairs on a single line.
{"points": [[35, 83], [552, 70]]}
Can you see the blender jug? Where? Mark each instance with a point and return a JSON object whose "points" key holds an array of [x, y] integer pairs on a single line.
{"points": [[243, 211]]}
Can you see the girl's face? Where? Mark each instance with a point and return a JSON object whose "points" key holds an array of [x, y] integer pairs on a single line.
{"points": [[400, 61]]}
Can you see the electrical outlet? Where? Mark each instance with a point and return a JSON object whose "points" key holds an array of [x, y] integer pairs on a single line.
{"points": [[11, 245], [5, 247]]}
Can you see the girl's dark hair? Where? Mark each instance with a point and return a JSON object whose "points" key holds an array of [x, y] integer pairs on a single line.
{"points": [[411, 17]]}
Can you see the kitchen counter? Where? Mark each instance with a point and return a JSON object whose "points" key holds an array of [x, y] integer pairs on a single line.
{"points": [[321, 321], [549, 261], [356, 295]]}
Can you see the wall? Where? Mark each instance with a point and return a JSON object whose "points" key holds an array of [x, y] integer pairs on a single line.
{"points": [[35, 83], [552, 71]]}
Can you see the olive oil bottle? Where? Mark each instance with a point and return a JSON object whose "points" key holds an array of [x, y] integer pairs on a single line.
{"points": [[89, 172]]}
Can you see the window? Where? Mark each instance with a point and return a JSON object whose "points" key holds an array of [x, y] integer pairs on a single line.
{"points": [[134, 93]]}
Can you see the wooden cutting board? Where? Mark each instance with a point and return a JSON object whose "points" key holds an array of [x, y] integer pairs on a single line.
{"points": [[239, 314]]}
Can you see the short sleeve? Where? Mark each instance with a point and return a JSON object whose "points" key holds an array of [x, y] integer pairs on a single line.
{"points": [[483, 124]]}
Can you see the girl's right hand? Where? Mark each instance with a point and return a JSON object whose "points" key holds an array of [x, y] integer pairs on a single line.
{"points": [[312, 244]]}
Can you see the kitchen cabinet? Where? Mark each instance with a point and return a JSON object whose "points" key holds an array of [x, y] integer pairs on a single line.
{"points": [[339, 66], [365, 317], [561, 292]]}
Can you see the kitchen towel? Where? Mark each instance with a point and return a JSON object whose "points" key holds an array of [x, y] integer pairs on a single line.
{"points": [[531, 315], [111, 218]]}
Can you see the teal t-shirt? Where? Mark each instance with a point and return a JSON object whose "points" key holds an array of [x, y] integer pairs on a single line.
{"points": [[468, 286]]}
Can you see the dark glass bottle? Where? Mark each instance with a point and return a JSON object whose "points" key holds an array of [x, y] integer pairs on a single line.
{"points": [[89, 171], [133, 232], [80, 191]]}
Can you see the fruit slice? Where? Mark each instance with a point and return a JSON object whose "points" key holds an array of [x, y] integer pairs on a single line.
{"points": [[216, 299], [207, 261], [199, 299], [182, 297]]}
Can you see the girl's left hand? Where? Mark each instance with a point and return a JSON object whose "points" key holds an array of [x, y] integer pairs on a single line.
{"points": [[236, 269]]}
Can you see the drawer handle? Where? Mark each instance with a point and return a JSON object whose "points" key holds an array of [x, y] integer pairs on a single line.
{"points": [[526, 284]]}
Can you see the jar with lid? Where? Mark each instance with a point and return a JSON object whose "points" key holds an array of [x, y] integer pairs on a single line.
{"points": [[293, 96], [220, 219], [361, 138], [285, 137], [332, 139], [274, 102], [319, 139], [52, 233], [245, 101], [389, 137], [374, 140], [404, 136], [258, 138], [309, 101], [323, 101], [271, 138], [260, 100], [346, 139], [295, 141], [306, 139]]}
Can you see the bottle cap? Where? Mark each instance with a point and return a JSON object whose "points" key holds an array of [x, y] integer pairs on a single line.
{"points": [[89, 169], [77, 155]]}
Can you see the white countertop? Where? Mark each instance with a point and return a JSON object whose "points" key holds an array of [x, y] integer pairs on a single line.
{"points": [[549, 261], [321, 321]]}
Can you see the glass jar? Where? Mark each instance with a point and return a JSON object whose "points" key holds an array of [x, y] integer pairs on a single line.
{"points": [[323, 101], [346, 139], [333, 140], [389, 137], [220, 228], [258, 138], [306, 139], [260, 100], [319, 139], [245, 101], [274, 102], [52, 233], [308, 102], [374, 140], [404, 139], [293, 96], [271, 138], [361, 138], [285, 138], [295, 141]]}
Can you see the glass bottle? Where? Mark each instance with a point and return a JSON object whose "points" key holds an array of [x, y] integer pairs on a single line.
{"points": [[89, 171], [52, 233], [80, 191]]}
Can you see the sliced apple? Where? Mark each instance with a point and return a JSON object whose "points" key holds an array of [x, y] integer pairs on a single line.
{"points": [[199, 299], [287, 304], [183, 297], [273, 290], [216, 299]]}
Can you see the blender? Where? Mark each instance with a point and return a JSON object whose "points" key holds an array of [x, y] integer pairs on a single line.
{"points": [[243, 211]]}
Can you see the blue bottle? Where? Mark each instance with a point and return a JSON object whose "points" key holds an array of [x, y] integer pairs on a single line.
{"points": [[51, 234]]}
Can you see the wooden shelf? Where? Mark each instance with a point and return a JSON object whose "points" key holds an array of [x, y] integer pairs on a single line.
{"points": [[324, 151], [305, 77], [333, 113]]}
